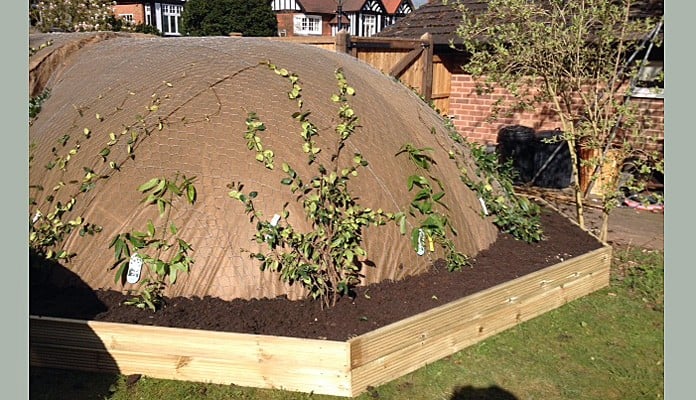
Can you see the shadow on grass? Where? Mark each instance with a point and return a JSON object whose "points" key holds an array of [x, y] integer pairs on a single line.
{"points": [[489, 393], [65, 366]]}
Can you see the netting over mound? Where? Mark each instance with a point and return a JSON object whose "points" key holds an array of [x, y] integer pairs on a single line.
{"points": [[205, 88]]}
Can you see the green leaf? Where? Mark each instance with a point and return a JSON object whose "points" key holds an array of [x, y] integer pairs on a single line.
{"points": [[402, 224], [160, 187], [191, 193], [120, 273], [161, 205], [414, 239], [184, 245], [173, 272], [119, 247], [148, 185], [136, 241]]}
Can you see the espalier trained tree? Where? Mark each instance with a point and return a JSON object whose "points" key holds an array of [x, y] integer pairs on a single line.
{"points": [[327, 259], [574, 57]]}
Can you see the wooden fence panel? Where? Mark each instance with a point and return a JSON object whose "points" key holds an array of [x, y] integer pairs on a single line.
{"points": [[410, 61], [442, 86]]}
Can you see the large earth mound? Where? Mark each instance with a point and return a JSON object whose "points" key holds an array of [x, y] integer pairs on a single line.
{"points": [[188, 100]]}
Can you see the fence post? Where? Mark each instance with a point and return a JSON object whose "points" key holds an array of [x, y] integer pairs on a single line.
{"points": [[427, 43], [342, 40]]}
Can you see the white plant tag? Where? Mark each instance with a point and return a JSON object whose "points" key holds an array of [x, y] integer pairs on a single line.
{"points": [[421, 242], [135, 265], [483, 205], [274, 222]]}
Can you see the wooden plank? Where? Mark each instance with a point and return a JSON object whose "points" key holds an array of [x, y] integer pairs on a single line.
{"points": [[461, 334], [375, 344], [314, 40], [400, 67], [170, 353], [440, 96], [384, 43], [427, 87], [305, 377], [186, 342]]}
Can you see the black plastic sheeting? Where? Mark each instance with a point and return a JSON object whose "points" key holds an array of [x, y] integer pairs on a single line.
{"points": [[539, 158]]}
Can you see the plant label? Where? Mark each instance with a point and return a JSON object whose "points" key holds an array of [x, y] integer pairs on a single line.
{"points": [[421, 242], [274, 222], [483, 205], [135, 265]]}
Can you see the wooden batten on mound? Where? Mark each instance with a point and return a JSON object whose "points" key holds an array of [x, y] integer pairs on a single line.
{"points": [[310, 365]]}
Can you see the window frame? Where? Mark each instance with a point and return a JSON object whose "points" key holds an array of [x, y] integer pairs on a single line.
{"points": [[128, 18], [648, 83], [305, 25], [369, 24]]}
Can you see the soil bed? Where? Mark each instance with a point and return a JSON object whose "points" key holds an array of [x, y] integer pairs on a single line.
{"points": [[372, 306]]}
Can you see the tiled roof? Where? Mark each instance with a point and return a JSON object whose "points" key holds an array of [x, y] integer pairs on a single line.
{"points": [[329, 6], [318, 6], [353, 5], [391, 5], [441, 20]]}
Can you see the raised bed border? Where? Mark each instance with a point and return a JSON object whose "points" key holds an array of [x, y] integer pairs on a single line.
{"points": [[329, 367]]}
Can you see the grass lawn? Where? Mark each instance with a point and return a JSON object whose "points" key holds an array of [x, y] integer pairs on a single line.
{"points": [[608, 345]]}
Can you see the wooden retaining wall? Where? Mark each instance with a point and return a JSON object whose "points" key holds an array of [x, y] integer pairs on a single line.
{"points": [[311, 365]]}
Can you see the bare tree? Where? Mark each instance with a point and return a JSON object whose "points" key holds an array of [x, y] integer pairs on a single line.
{"points": [[578, 58]]}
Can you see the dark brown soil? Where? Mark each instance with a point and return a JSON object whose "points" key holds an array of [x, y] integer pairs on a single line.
{"points": [[371, 307]]}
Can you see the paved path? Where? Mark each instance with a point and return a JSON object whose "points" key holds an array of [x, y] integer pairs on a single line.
{"points": [[637, 228], [627, 226]]}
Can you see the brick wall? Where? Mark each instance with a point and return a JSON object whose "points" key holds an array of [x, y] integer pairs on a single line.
{"points": [[138, 11], [285, 21], [470, 114]]}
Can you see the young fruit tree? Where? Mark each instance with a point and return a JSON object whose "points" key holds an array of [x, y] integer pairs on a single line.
{"points": [[578, 59]]}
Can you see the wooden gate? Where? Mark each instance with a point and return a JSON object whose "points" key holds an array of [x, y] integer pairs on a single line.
{"points": [[410, 61]]}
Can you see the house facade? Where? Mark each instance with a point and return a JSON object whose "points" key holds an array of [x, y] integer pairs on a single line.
{"points": [[165, 15], [456, 95], [327, 17]]}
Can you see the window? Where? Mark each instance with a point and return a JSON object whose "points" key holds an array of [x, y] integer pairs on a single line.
{"points": [[128, 18], [307, 25], [171, 18], [148, 15], [369, 25], [650, 81]]}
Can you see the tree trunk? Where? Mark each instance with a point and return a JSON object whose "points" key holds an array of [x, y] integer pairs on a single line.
{"points": [[604, 230]]}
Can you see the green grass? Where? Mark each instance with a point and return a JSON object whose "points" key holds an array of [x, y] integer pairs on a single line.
{"points": [[608, 345]]}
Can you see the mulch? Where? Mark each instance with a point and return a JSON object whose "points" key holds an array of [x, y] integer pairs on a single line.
{"points": [[369, 308]]}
